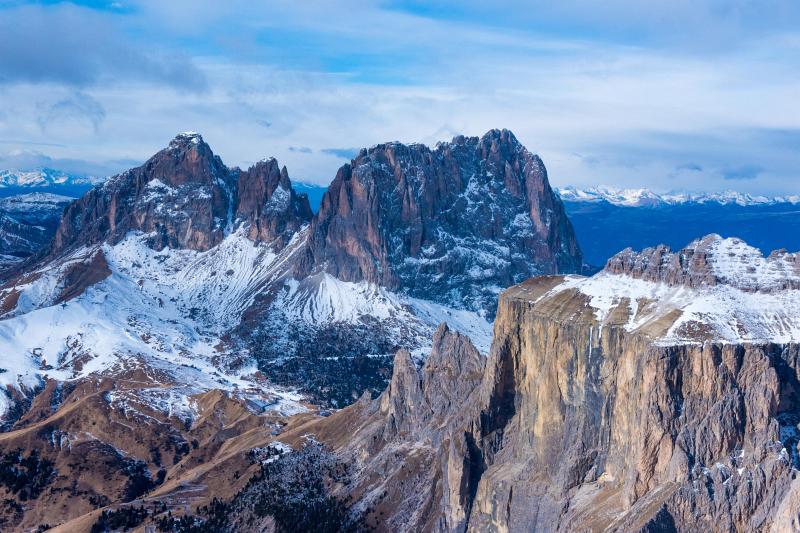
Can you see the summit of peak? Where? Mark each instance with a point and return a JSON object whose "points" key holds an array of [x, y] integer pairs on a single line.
{"points": [[500, 134], [186, 138]]}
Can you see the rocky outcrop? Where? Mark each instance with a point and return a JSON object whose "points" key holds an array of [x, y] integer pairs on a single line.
{"points": [[585, 421], [409, 448], [184, 195], [455, 224], [588, 427], [269, 203]]}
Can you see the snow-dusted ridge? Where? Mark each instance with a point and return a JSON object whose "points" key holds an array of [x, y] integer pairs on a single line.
{"points": [[714, 290], [642, 197], [34, 198], [321, 300]]}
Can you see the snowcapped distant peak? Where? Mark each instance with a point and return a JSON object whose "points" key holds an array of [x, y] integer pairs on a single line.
{"points": [[646, 198], [36, 198], [626, 197]]}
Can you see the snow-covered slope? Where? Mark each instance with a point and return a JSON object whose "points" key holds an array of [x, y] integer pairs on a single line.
{"points": [[185, 261], [33, 201], [715, 289], [173, 311], [165, 310], [642, 197]]}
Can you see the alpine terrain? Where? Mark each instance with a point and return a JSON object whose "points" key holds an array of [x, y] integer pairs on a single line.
{"points": [[27, 223], [196, 350], [184, 312], [660, 394]]}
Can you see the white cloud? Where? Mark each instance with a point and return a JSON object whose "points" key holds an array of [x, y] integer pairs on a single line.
{"points": [[322, 76]]}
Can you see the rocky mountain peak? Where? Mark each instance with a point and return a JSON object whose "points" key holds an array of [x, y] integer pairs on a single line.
{"points": [[455, 223], [185, 197], [188, 160], [709, 261], [186, 139], [418, 397]]}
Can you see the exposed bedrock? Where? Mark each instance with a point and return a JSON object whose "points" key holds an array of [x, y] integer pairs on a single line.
{"points": [[578, 426]]}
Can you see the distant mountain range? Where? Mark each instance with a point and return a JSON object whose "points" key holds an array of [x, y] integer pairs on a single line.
{"points": [[13, 182], [648, 198], [598, 213], [608, 220], [27, 223]]}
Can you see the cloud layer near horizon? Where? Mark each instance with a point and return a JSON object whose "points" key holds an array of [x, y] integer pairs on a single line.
{"points": [[673, 95]]}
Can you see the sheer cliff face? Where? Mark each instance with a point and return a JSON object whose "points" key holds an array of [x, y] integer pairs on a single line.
{"points": [[588, 426], [455, 224], [186, 198], [594, 414]]}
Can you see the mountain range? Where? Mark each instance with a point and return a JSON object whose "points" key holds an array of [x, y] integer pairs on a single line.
{"points": [[27, 223], [647, 198], [13, 182], [194, 348], [649, 219]]}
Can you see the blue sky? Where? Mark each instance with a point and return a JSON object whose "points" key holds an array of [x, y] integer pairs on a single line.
{"points": [[694, 95]]}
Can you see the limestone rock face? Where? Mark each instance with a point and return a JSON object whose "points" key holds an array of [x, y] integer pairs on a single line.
{"points": [[184, 195], [456, 223], [588, 427], [409, 448], [586, 419]]}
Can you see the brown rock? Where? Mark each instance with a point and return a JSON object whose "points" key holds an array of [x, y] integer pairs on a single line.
{"points": [[452, 224], [268, 201], [186, 198]]}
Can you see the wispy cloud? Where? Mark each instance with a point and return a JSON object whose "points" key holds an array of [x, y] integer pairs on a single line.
{"points": [[746, 172], [341, 153], [78, 107], [78, 46], [301, 149]]}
